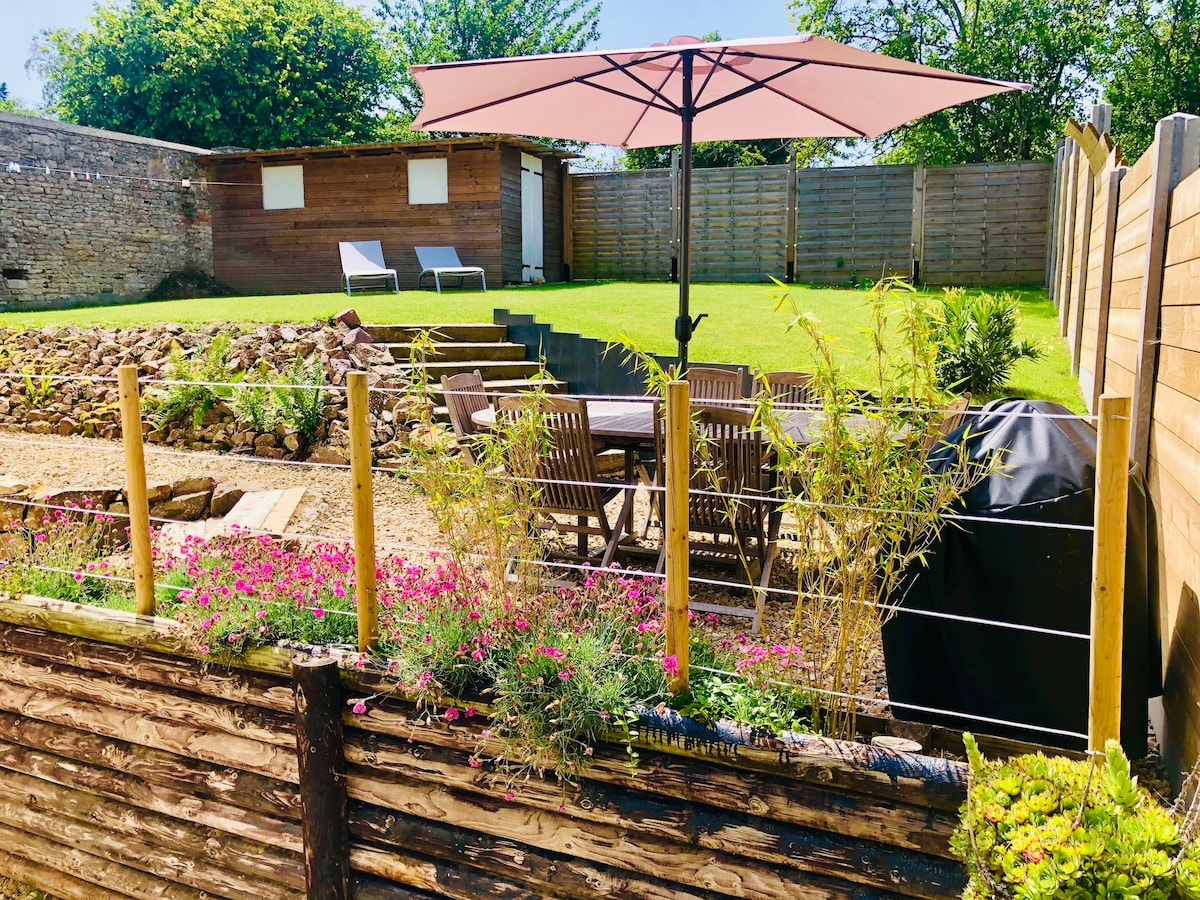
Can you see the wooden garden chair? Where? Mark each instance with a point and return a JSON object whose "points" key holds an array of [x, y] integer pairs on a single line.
{"points": [[952, 418], [464, 395], [729, 458], [568, 484], [789, 388], [715, 387]]}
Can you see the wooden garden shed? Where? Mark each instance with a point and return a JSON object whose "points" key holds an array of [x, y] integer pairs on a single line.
{"points": [[278, 215]]}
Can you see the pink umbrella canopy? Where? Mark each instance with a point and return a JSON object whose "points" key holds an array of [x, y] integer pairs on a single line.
{"points": [[687, 91]]}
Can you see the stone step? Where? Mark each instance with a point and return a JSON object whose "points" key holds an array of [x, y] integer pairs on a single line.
{"points": [[454, 351], [489, 369], [449, 332]]}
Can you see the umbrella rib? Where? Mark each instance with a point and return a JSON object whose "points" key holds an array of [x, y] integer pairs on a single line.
{"points": [[932, 72], [656, 91], [764, 83], [641, 115], [575, 79], [712, 71]]}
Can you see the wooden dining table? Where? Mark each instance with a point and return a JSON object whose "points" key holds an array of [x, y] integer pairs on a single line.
{"points": [[629, 424]]}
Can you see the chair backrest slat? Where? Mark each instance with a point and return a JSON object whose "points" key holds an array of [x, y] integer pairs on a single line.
{"points": [[568, 457], [789, 388], [706, 385], [952, 419], [464, 395], [727, 458]]}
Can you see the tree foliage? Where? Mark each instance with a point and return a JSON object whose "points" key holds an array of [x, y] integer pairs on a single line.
{"points": [[1156, 69], [1056, 46], [429, 31], [717, 154], [253, 73], [11, 104]]}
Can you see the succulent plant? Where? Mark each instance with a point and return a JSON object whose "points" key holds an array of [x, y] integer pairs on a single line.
{"points": [[1049, 828]]}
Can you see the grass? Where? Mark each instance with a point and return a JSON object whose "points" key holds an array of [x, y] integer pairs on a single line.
{"points": [[741, 326]]}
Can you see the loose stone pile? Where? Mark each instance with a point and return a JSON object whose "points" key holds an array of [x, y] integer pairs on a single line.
{"points": [[32, 400]]}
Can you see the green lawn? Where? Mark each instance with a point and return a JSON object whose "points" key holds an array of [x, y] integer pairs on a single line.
{"points": [[741, 326]]}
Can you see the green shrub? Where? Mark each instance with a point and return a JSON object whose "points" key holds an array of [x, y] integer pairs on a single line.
{"points": [[194, 391], [301, 402], [1042, 828], [976, 343], [255, 402]]}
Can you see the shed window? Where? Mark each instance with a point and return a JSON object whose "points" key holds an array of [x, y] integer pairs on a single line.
{"points": [[283, 187], [428, 181]]}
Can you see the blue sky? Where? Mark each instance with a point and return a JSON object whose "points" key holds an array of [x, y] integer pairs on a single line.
{"points": [[623, 23]]}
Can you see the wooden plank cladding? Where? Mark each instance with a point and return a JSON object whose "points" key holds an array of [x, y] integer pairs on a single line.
{"points": [[970, 225], [129, 770], [357, 194], [1134, 290]]}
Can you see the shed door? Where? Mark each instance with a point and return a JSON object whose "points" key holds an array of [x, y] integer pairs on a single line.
{"points": [[531, 217]]}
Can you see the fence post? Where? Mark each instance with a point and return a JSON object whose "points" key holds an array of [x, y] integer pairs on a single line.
{"points": [[135, 488], [918, 217], [790, 204], [1108, 569], [320, 752], [1068, 245], [364, 510], [678, 465], [1055, 215], [1104, 294]]}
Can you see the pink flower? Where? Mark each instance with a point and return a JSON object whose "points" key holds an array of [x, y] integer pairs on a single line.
{"points": [[359, 707], [451, 714], [670, 665], [318, 613], [470, 711], [473, 762], [510, 796], [478, 654], [565, 674]]}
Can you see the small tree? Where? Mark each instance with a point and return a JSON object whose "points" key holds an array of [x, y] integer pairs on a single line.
{"points": [[430, 31], [865, 507], [251, 73]]}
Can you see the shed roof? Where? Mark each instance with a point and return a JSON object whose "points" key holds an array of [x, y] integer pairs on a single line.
{"points": [[445, 145]]}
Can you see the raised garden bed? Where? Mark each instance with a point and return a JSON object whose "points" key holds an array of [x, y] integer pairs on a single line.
{"points": [[129, 765]]}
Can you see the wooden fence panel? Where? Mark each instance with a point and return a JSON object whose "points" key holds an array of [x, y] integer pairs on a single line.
{"points": [[739, 226], [972, 225], [1129, 263], [853, 223], [621, 224], [1174, 469], [987, 224]]}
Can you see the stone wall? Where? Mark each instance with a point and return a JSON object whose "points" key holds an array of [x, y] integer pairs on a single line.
{"points": [[64, 239]]}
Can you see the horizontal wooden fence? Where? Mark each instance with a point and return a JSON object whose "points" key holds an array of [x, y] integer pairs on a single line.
{"points": [[969, 225], [1125, 275]]}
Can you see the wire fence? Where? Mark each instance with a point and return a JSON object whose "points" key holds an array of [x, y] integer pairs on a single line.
{"points": [[361, 465]]}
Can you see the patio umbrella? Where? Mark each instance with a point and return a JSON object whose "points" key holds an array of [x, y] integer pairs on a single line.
{"points": [[688, 90]]}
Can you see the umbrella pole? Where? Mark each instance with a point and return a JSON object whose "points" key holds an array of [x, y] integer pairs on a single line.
{"points": [[683, 322]]}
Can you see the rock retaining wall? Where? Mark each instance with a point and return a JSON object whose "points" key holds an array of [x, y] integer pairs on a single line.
{"points": [[61, 381], [68, 235]]}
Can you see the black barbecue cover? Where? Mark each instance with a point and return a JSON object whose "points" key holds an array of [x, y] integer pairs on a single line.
{"points": [[1029, 574]]}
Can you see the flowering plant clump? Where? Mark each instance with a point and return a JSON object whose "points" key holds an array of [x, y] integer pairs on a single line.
{"points": [[234, 592], [556, 669], [69, 556], [1039, 828]]}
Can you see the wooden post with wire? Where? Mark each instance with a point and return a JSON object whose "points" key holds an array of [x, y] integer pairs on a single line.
{"points": [[675, 483], [1113, 428], [135, 488], [364, 510]]}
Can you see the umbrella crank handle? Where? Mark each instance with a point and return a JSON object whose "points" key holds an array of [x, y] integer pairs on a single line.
{"points": [[685, 326]]}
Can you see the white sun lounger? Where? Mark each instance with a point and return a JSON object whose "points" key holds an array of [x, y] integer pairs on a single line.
{"points": [[364, 259], [441, 261]]}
